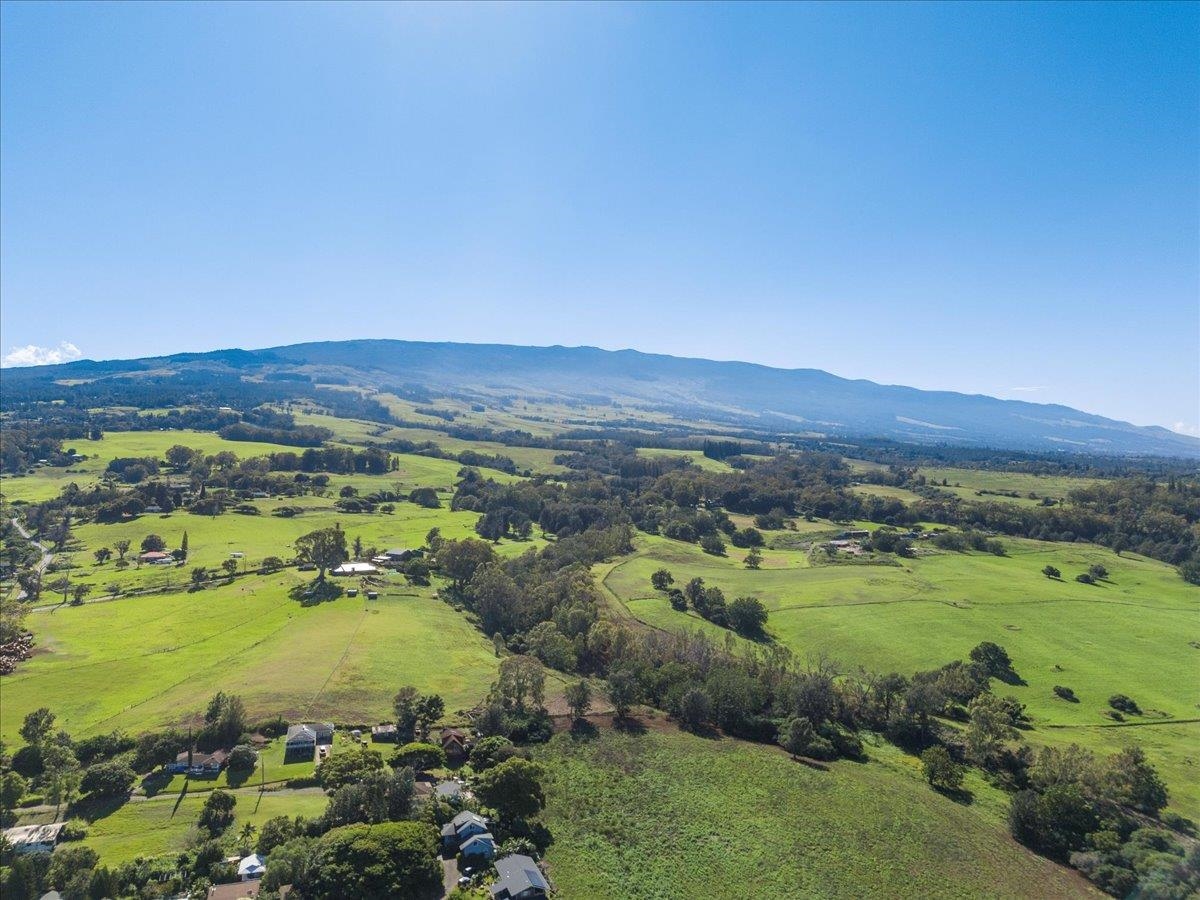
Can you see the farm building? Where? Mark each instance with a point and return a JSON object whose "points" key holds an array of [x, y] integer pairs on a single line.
{"points": [[520, 879], [354, 568], [303, 739], [34, 838], [156, 558], [383, 734]]}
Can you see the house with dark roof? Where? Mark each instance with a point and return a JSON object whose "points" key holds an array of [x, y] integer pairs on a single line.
{"points": [[385, 734], [199, 765], [461, 828], [454, 743], [520, 879]]}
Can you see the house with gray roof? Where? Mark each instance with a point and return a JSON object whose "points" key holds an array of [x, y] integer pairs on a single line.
{"points": [[462, 827], [303, 739], [482, 846], [520, 879]]}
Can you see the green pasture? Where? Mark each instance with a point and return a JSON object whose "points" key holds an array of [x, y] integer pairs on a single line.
{"points": [[144, 662], [1135, 633], [696, 456], [966, 482], [665, 814]]}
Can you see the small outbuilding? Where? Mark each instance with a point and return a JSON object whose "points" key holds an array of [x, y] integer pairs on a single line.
{"points": [[354, 568], [34, 838], [250, 867], [383, 734]]}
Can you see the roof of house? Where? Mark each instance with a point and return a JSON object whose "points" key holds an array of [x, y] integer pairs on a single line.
{"points": [[34, 834], [238, 890], [517, 873], [153, 554], [466, 817], [355, 568], [399, 551], [383, 729], [217, 757], [479, 840], [251, 866], [448, 789], [308, 731]]}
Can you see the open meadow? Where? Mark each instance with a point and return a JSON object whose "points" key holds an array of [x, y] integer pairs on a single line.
{"points": [[1134, 633], [664, 814], [144, 662]]}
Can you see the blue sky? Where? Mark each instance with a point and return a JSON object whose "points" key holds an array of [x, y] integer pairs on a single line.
{"points": [[988, 198]]}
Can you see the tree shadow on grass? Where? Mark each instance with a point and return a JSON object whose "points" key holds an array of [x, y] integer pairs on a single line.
{"points": [[961, 796], [583, 730], [315, 592], [629, 726], [156, 782], [812, 763], [237, 778], [95, 810]]}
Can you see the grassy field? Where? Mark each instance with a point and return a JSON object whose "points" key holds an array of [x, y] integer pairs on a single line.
{"points": [[967, 482], [1133, 634], [166, 824], [696, 456], [143, 662], [666, 814]]}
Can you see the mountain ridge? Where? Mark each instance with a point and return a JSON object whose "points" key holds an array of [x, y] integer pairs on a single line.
{"points": [[802, 400]]}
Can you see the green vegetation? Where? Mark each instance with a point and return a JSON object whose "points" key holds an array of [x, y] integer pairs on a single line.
{"points": [[666, 814], [913, 616], [148, 661]]}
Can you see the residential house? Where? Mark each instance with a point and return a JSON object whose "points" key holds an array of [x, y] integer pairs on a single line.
{"points": [[199, 765], [303, 739], [237, 890], [156, 558], [461, 828], [455, 743], [35, 838], [520, 879], [251, 867], [402, 554], [481, 846]]}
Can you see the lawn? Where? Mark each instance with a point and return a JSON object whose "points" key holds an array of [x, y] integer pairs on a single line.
{"points": [[664, 814], [166, 824], [1135, 633], [143, 662]]}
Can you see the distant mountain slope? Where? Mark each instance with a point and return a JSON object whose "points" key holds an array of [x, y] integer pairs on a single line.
{"points": [[794, 400]]}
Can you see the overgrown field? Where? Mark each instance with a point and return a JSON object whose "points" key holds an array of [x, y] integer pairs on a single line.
{"points": [[1135, 633], [143, 662], [666, 814]]}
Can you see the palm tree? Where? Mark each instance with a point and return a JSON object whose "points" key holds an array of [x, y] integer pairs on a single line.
{"points": [[246, 837]]}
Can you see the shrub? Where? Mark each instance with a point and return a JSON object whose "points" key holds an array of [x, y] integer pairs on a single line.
{"points": [[711, 543], [418, 756], [1085, 578], [1066, 693], [242, 758], [1124, 704], [940, 769], [1051, 572]]}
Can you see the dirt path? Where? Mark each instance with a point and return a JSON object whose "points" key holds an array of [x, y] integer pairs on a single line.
{"points": [[47, 555]]}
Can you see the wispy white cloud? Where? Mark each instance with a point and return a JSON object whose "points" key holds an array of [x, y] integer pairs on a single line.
{"points": [[1029, 390], [1185, 428], [33, 355]]}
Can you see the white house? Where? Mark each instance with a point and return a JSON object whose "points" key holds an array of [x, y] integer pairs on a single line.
{"points": [[251, 866]]}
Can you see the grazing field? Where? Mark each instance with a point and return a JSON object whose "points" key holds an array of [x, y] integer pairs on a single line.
{"points": [[696, 456], [666, 814], [1135, 633], [966, 483], [143, 662]]}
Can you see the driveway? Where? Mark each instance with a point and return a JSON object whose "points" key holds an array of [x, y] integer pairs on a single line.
{"points": [[450, 875]]}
